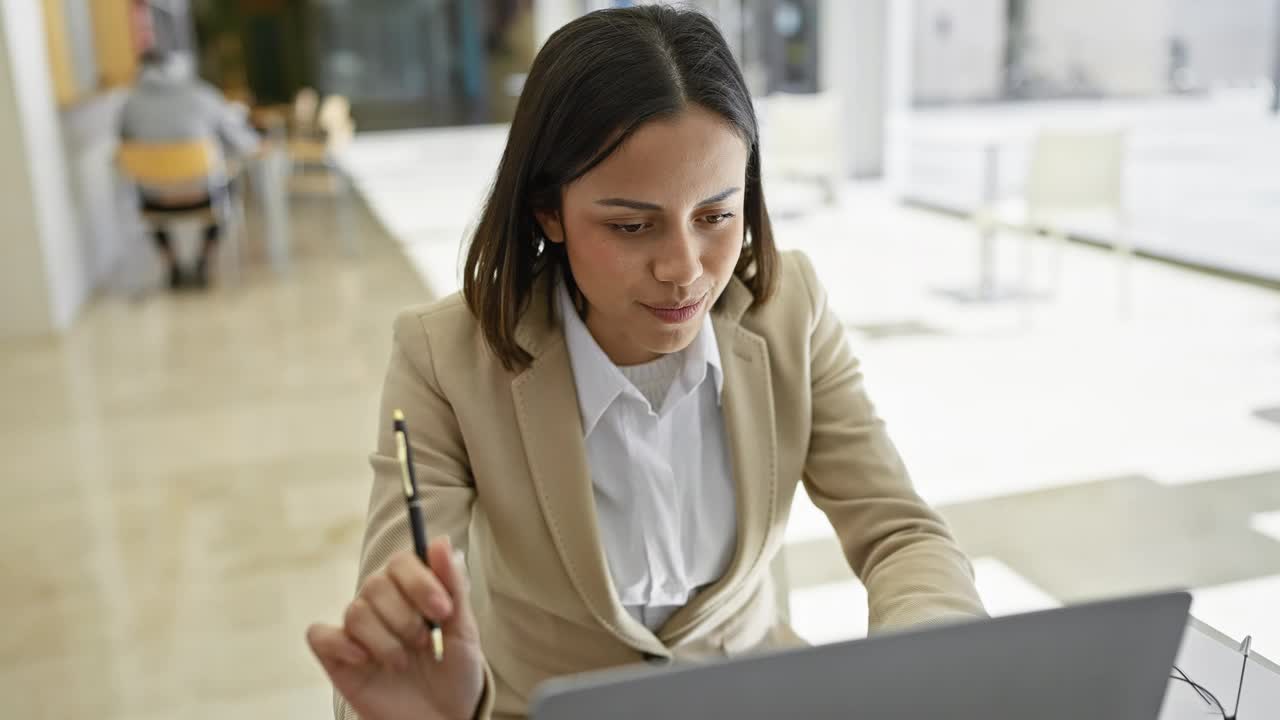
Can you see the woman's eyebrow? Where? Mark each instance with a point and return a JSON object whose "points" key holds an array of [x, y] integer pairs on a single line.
{"points": [[642, 205]]}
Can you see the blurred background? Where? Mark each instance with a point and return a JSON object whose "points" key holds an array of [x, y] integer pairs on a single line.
{"points": [[1051, 229]]}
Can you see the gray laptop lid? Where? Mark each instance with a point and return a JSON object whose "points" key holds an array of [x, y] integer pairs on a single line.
{"points": [[1107, 660]]}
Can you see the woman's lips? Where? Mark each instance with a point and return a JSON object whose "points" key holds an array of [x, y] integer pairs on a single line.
{"points": [[677, 315]]}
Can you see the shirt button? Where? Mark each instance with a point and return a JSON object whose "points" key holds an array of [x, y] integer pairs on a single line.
{"points": [[654, 659]]}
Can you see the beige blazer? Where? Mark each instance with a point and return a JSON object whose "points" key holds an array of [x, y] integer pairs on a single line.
{"points": [[502, 463]]}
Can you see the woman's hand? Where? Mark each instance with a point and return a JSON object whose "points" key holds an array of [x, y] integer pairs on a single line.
{"points": [[381, 658]]}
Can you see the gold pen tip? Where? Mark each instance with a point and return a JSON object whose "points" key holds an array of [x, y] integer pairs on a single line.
{"points": [[437, 643], [397, 415]]}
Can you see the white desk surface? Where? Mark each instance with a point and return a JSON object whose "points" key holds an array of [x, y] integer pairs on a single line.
{"points": [[1213, 660]]}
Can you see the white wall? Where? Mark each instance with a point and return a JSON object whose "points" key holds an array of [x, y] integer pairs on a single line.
{"points": [[1115, 48], [44, 276], [1121, 47], [1228, 44], [957, 50], [23, 291]]}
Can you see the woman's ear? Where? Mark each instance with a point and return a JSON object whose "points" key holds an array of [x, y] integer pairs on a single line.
{"points": [[549, 221]]}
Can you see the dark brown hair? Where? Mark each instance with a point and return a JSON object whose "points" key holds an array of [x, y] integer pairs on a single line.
{"points": [[594, 83]]}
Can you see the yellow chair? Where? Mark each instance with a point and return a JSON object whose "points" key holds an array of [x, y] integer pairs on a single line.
{"points": [[195, 168]]}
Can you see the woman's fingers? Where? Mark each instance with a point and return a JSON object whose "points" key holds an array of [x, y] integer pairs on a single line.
{"points": [[381, 648], [363, 625], [420, 586], [385, 620], [394, 609], [332, 646], [452, 574]]}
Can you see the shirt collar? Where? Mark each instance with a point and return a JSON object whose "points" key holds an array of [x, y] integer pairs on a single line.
{"points": [[600, 382]]}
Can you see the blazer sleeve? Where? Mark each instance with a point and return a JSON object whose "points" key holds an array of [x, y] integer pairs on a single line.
{"points": [[440, 463], [898, 546]]}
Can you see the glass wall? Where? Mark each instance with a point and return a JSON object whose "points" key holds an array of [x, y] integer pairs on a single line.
{"points": [[401, 63]]}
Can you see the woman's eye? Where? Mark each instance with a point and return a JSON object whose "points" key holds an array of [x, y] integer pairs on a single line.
{"points": [[718, 219], [627, 229]]}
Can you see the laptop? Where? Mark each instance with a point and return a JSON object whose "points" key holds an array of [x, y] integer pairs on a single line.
{"points": [[1103, 661]]}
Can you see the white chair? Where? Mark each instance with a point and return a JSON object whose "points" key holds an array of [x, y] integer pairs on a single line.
{"points": [[333, 131], [304, 112], [803, 138], [334, 119], [1075, 184], [316, 167]]}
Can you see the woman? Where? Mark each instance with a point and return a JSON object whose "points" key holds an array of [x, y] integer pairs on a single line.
{"points": [[613, 417]]}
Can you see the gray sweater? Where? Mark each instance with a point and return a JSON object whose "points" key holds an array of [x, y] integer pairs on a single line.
{"points": [[170, 105]]}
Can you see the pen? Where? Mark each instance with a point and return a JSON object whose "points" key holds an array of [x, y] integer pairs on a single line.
{"points": [[416, 520]]}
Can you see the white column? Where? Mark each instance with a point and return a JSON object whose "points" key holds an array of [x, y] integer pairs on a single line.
{"points": [[870, 82], [550, 15], [852, 64], [899, 91], [44, 274], [1275, 69]]}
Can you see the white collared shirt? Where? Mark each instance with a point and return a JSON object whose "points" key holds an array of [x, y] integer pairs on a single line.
{"points": [[664, 493]]}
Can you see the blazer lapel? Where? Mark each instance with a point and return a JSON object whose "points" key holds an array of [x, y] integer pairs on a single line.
{"points": [[750, 428], [546, 404]]}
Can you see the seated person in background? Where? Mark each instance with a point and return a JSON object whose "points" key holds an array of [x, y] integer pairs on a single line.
{"points": [[170, 104]]}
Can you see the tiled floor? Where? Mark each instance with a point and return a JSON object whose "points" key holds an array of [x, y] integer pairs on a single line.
{"points": [[186, 484]]}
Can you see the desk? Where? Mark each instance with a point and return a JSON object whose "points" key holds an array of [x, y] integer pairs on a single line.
{"points": [[1213, 660]]}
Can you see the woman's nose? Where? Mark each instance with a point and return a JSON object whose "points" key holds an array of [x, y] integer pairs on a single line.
{"points": [[678, 260]]}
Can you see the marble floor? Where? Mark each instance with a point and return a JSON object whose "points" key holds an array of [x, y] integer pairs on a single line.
{"points": [[187, 474], [185, 488]]}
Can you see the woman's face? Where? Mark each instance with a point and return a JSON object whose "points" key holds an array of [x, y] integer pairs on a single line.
{"points": [[653, 233]]}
